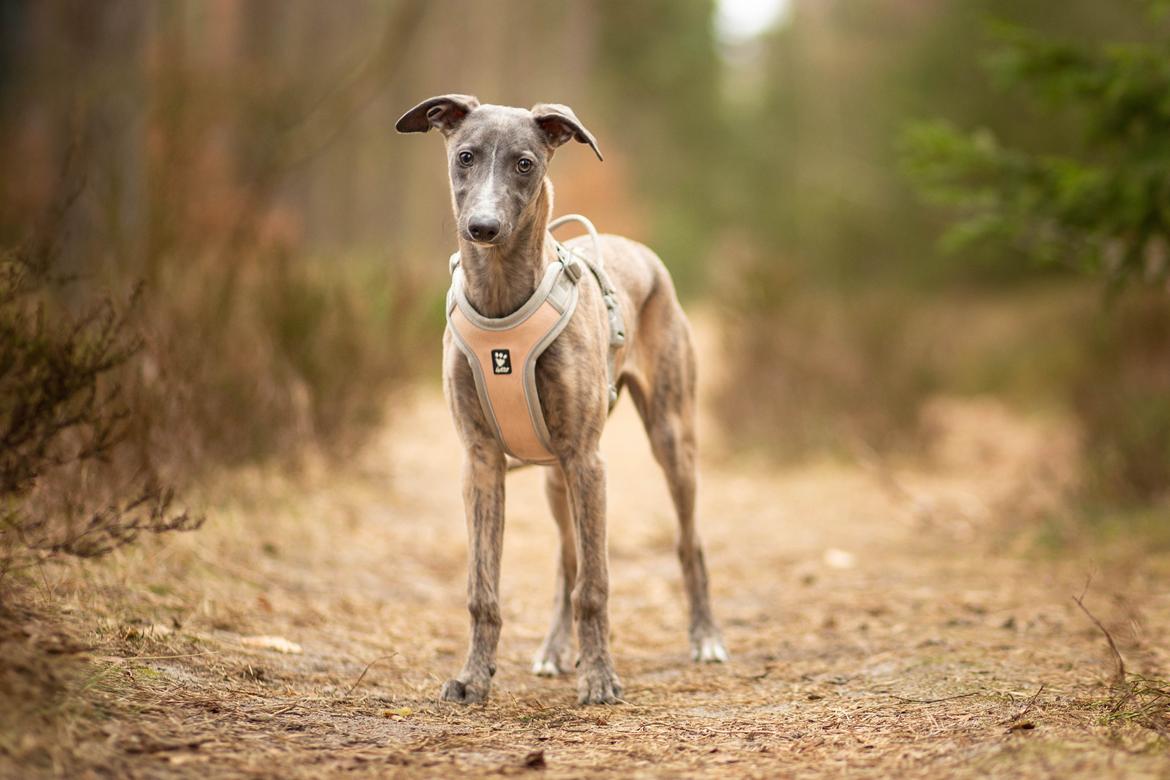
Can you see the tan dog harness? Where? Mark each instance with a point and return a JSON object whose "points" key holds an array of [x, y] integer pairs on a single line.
{"points": [[503, 351]]}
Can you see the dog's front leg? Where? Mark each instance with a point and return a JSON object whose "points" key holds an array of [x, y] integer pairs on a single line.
{"points": [[483, 500], [597, 683]]}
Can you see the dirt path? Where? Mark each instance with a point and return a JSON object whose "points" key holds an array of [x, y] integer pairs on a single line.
{"points": [[862, 644]]}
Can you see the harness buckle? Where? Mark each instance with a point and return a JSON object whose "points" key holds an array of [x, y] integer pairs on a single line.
{"points": [[573, 269]]}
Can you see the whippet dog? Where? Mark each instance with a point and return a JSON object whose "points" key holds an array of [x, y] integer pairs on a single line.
{"points": [[498, 159]]}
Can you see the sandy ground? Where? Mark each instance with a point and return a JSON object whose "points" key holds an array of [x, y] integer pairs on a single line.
{"points": [[869, 638]]}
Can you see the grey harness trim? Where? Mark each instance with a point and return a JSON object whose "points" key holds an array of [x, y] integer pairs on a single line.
{"points": [[559, 288]]}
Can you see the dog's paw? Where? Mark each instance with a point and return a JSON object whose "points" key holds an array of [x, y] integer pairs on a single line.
{"points": [[709, 650], [598, 684], [547, 667], [461, 692], [552, 661]]}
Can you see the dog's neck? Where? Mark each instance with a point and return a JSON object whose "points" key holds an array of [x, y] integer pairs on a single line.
{"points": [[499, 279]]}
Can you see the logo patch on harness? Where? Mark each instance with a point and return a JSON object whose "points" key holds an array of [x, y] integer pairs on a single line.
{"points": [[501, 361]]}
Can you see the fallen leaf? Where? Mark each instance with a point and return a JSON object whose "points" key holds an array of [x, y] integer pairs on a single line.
{"points": [[277, 643], [398, 714]]}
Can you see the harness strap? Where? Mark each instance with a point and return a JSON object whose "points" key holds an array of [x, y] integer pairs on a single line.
{"points": [[596, 265]]}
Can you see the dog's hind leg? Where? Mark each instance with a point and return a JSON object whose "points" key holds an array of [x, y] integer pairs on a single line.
{"points": [[667, 408], [555, 654]]}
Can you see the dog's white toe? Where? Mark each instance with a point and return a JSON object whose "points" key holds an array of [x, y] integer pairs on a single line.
{"points": [[710, 650], [545, 667]]}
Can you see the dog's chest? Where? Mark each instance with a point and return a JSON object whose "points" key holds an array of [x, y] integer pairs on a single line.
{"points": [[506, 354], [503, 355]]}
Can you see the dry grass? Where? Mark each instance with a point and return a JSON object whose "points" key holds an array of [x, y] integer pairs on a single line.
{"points": [[932, 654]]}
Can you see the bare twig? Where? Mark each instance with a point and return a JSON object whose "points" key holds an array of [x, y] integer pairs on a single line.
{"points": [[362, 676], [936, 701], [1027, 705], [1119, 673], [168, 657]]}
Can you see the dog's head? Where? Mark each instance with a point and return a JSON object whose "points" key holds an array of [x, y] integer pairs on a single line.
{"points": [[497, 157]]}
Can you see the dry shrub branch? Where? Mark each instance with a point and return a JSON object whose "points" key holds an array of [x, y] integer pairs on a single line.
{"points": [[67, 485], [74, 482], [1136, 698]]}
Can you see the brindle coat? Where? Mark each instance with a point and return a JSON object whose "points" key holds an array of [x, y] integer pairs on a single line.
{"points": [[498, 159]]}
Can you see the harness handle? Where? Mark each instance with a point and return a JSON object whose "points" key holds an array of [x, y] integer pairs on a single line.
{"points": [[590, 229]]}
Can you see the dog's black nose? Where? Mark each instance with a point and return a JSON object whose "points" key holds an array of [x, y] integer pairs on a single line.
{"points": [[484, 229]]}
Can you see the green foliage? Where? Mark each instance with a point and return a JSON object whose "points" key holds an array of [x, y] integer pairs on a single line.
{"points": [[841, 258], [1120, 397], [819, 179], [1101, 207], [659, 75], [1104, 208]]}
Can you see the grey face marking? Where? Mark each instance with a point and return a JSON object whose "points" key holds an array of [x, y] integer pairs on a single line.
{"points": [[497, 159]]}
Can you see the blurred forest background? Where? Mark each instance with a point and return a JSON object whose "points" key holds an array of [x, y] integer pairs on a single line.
{"points": [[215, 249]]}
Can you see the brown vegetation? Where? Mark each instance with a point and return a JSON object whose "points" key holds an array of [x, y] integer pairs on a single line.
{"points": [[70, 481]]}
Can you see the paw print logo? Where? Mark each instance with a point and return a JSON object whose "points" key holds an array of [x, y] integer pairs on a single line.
{"points": [[501, 361]]}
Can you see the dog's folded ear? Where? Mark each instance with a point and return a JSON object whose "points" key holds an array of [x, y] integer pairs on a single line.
{"points": [[559, 124], [443, 113]]}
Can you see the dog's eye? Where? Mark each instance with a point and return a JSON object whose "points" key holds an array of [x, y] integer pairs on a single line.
{"points": [[466, 158], [524, 165]]}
